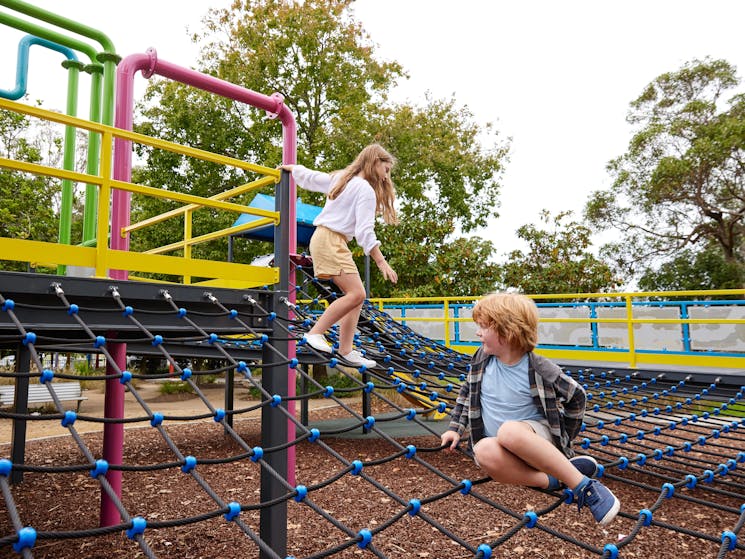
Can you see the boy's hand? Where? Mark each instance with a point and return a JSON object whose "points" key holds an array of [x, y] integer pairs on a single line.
{"points": [[450, 438]]}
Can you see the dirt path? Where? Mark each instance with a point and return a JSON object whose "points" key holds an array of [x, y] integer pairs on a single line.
{"points": [[172, 404]]}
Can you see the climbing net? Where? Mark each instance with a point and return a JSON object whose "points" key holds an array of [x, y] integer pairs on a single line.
{"points": [[670, 448]]}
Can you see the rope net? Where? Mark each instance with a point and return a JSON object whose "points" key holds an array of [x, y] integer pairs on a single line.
{"points": [[671, 449]]}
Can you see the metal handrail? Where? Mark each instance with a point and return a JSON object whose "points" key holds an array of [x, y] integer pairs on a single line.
{"points": [[101, 257]]}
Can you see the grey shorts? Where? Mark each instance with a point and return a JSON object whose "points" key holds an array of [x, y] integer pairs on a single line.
{"points": [[541, 428]]}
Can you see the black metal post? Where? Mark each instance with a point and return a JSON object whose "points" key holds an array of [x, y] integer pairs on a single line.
{"points": [[366, 407], [274, 429], [365, 377], [18, 437], [229, 396], [304, 401]]}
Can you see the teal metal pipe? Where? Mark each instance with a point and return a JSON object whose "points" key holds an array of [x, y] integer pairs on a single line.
{"points": [[108, 61], [108, 57], [24, 46]]}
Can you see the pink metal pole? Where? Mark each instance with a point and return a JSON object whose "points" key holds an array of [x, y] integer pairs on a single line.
{"points": [[289, 156], [149, 64], [113, 433]]}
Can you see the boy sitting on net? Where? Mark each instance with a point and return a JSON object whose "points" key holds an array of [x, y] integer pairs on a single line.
{"points": [[522, 410]]}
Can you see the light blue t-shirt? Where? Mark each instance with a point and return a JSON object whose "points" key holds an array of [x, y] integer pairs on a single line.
{"points": [[505, 395]]}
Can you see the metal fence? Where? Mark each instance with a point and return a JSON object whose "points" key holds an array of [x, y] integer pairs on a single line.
{"points": [[683, 328]]}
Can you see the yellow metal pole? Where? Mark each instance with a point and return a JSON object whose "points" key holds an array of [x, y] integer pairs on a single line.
{"points": [[630, 326], [104, 199], [446, 321], [188, 214]]}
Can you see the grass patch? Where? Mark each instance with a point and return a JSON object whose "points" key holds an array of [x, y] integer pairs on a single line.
{"points": [[175, 387]]}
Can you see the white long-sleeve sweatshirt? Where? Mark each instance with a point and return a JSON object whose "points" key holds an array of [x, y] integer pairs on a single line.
{"points": [[352, 213]]}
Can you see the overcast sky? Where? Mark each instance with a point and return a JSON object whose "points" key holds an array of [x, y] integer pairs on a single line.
{"points": [[556, 77]]}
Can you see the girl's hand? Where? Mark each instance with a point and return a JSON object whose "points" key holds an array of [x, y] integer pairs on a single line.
{"points": [[450, 438], [286, 167], [388, 272]]}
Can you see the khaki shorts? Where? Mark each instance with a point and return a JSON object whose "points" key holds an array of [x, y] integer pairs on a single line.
{"points": [[330, 253]]}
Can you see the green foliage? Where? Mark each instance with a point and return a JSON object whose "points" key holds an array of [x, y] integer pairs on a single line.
{"points": [[84, 368], [323, 64], [557, 260], [448, 164], [430, 265], [254, 392], [680, 184], [707, 269], [337, 381], [28, 208], [175, 387]]}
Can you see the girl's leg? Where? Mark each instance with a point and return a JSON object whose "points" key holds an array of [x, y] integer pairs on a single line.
{"points": [[348, 323], [517, 455], [344, 310]]}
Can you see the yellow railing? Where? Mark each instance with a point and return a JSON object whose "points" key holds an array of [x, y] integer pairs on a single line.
{"points": [[450, 311], [385, 304], [102, 259]]}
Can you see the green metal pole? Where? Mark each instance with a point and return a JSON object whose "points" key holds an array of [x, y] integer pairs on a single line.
{"points": [[108, 58], [68, 161], [94, 152], [49, 35]]}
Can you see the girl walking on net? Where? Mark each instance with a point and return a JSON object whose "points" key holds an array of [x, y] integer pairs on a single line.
{"points": [[354, 196]]}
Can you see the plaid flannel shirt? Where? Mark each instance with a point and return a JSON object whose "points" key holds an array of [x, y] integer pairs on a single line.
{"points": [[558, 396]]}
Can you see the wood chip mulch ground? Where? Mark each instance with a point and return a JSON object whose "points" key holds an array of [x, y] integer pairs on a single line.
{"points": [[70, 502]]}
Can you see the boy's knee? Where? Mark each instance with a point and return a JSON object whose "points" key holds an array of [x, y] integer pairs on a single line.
{"points": [[511, 434], [483, 451]]}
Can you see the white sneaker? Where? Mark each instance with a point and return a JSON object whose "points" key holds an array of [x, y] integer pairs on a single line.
{"points": [[317, 342], [356, 358]]}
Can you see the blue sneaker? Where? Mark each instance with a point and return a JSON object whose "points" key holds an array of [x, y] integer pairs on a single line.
{"points": [[586, 465], [603, 503]]}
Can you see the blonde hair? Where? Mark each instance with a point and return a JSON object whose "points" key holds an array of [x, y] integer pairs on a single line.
{"points": [[512, 316], [364, 165]]}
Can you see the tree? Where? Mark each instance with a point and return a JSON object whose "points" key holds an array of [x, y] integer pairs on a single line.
{"points": [[323, 63], [29, 201], [706, 269], [197, 119], [557, 260], [681, 184], [461, 266], [309, 53]]}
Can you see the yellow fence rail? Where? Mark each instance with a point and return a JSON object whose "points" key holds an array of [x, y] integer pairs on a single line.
{"points": [[100, 258]]}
